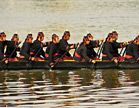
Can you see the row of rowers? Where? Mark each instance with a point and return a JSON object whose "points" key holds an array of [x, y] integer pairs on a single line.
{"points": [[55, 48]]}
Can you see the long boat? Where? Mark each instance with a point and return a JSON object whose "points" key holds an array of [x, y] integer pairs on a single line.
{"points": [[70, 65]]}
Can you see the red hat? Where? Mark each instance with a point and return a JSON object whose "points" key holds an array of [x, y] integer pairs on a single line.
{"points": [[2, 34], [89, 35], [110, 35], [115, 33], [85, 38], [66, 33], [15, 36], [29, 36], [54, 36], [137, 38], [40, 34]]}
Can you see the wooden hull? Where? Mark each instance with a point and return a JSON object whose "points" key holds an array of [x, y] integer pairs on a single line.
{"points": [[70, 65]]}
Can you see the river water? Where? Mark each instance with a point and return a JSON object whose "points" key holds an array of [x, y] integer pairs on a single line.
{"points": [[70, 88]]}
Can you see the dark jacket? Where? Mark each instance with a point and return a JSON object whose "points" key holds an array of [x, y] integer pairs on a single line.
{"points": [[25, 51], [2, 46], [11, 46], [38, 46], [81, 53], [64, 47], [90, 48], [132, 53], [51, 53], [116, 45], [107, 53]]}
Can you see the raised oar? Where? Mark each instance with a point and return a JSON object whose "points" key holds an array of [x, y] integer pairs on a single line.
{"points": [[119, 56], [9, 57], [34, 56], [98, 53]]}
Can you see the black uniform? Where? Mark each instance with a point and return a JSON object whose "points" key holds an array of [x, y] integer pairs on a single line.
{"points": [[90, 48], [11, 46], [132, 53], [64, 47], [1, 50], [107, 53], [38, 46], [81, 53], [25, 51], [2, 46], [51, 53], [116, 45]]}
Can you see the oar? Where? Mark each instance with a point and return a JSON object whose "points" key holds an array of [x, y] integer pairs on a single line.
{"points": [[98, 53], [117, 64], [9, 57], [34, 56], [99, 50], [61, 57]]}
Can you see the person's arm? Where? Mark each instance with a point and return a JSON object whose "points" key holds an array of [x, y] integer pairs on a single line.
{"points": [[83, 53], [135, 52], [24, 51]]}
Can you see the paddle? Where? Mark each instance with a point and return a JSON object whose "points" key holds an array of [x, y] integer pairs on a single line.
{"points": [[98, 53], [9, 57], [60, 58], [34, 56]]}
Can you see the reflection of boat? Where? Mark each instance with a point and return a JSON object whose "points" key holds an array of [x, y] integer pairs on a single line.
{"points": [[20, 65]]}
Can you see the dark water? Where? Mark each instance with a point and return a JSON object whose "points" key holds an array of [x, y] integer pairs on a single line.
{"points": [[80, 88]]}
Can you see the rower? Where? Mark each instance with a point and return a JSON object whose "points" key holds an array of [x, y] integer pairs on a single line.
{"points": [[93, 44], [25, 49], [51, 51], [11, 45], [107, 53], [132, 51], [2, 46], [117, 45], [65, 47], [80, 53], [37, 47]]}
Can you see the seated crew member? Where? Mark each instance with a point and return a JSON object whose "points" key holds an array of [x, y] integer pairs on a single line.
{"points": [[80, 53], [11, 46], [117, 45], [3, 43], [64, 46], [132, 51], [37, 47], [51, 50], [93, 44], [25, 49], [107, 53]]}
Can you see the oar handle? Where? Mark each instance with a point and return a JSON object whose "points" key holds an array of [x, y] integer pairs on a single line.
{"points": [[34, 56]]}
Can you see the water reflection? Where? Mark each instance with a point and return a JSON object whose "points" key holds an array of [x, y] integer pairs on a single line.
{"points": [[80, 88]]}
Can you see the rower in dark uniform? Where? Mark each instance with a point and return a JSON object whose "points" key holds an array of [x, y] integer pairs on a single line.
{"points": [[3, 43], [132, 51], [51, 51], [64, 46], [25, 49], [11, 45], [80, 53], [107, 53], [117, 45], [93, 44], [37, 47]]}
